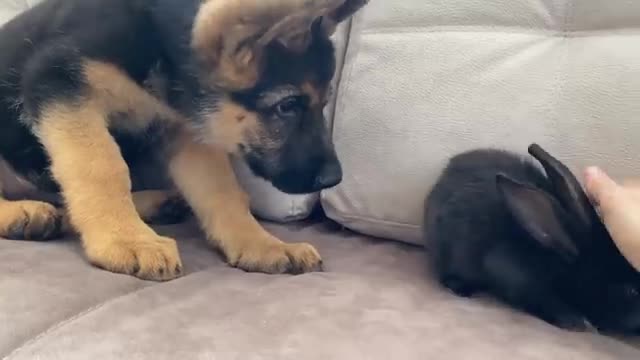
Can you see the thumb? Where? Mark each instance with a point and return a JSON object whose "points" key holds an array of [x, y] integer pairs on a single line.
{"points": [[620, 213], [601, 188]]}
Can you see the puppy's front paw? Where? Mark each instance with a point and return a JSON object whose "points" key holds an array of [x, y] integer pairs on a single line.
{"points": [[29, 220], [148, 256], [304, 258], [272, 256]]}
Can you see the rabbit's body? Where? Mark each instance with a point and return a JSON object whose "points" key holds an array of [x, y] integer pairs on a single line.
{"points": [[491, 225], [465, 204]]}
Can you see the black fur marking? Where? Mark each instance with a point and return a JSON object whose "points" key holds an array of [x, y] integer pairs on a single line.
{"points": [[458, 286], [53, 74], [145, 153], [173, 211]]}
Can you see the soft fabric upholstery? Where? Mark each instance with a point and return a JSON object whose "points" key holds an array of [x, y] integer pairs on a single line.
{"points": [[424, 80], [373, 302], [9, 8]]}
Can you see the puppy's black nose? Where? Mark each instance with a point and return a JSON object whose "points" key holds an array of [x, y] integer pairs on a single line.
{"points": [[329, 176]]}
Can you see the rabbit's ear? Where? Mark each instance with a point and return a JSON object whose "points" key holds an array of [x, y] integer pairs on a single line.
{"points": [[567, 189], [539, 214]]}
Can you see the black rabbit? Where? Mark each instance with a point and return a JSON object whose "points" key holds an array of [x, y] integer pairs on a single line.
{"points": [[494, 222]]}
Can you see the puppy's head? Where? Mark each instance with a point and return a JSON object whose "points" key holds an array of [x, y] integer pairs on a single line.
{"points": [[264, 72]]}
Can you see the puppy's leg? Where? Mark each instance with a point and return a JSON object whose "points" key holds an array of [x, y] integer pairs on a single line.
{"points": [[98, 195], [155, 207], [206, 179], [68, 109]]}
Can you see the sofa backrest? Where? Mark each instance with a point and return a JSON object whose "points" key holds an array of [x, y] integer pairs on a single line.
{"points": [[424, 80]]}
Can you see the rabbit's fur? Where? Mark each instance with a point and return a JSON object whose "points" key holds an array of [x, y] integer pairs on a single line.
{"points": [[495, 222]]}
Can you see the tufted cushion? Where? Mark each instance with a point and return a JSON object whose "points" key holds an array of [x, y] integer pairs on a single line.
{"points": [[424, 80]]}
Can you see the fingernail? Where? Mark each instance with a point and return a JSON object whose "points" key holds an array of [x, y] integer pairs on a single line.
{"points": [[592, 173]]}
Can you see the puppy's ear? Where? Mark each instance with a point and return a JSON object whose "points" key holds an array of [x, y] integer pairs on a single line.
{"points": [[230, 37], [326, 14], [539, 214], [344, 11], [296, 31]]}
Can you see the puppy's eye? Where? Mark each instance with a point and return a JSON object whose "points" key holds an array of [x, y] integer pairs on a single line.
{"points": [[290, 107]]}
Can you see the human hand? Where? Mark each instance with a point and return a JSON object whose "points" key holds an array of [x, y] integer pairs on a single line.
{"points": [[619, 207]]}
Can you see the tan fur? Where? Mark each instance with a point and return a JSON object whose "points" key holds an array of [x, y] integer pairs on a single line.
{"points": [[37, 220], [231, 125], [28, 220], [98, 193], [114, 92], [233, 70], [221, 30], [148, 205], [206, 179]]}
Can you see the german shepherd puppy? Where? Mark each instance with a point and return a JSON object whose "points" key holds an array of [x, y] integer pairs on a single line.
{"points": [[246, 78]]}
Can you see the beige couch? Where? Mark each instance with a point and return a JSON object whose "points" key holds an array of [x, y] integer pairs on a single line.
{"points": [[420, 80]]}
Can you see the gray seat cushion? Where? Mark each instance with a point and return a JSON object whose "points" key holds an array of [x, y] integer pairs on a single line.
{"points": [[374, 301]]}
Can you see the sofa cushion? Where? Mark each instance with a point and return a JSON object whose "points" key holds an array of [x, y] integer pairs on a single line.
{"points": [[373, 302], [424, 80]]}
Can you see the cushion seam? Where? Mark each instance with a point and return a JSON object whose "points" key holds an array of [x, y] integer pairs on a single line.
{"points": [[348, 67], [340, 74]]}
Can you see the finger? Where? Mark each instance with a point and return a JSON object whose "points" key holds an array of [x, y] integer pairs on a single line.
{"points": [[632, 187], [620, 211], [602, 190]]}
